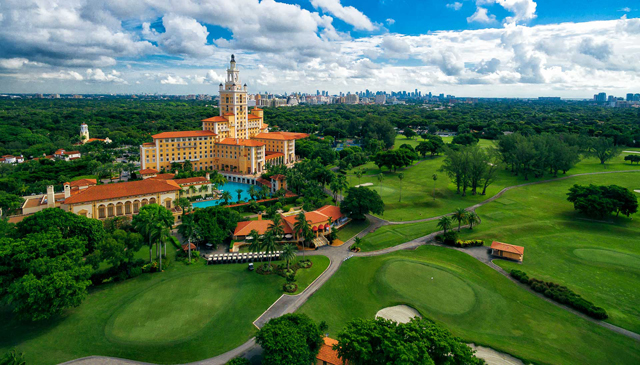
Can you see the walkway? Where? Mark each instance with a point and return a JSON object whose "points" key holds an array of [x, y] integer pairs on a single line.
{"points": [[337, 255]]}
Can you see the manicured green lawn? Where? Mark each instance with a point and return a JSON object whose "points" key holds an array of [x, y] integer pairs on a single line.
{"points": [[352, 228], [185, 314], [473, 301], [600, 261], [418, 186], [388, 236], [304, 277]]}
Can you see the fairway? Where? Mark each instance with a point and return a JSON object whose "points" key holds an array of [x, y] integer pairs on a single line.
{"points": [[598, 260], [184, 314], [471, 300], [417, 185], [393, 235]]}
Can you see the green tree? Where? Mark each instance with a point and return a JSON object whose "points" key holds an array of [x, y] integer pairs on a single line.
{"points": [[434, 177], [13, 358], [445, 223], [149, 222], [189, 230], [238, 361], [460, 216], [337, 185], [302, 229], [276, 226], [289, 254], [400, 177], [380, 178], [292, 339], [604, 149], [269, 245], [239, 192], [226, 196], [382, 341], [184, 204], [44, 273], [361, 201], [255, 244], [472, 219], [10, 203], [358, 174], [409, 133], [253, 192]]}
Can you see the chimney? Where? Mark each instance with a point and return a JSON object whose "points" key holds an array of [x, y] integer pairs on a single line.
{"points": [[67, 191], [259, 216], [51, 197]]}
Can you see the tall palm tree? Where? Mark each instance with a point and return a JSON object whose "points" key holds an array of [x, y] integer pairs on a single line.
{"points": [[472, 219], [434, 177], [239, 191], [445, 223], [164, 236], [264, 191], [289, 253], [276, 227], [254, 242], [301, 227], [226, 196], [188, 229], [253, 192], [380, 178], [401, 177], [269, 245], [184, 204], [460, 215], [337, 185]]}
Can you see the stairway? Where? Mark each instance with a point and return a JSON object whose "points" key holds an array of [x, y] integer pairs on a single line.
{"points": [[320, 241]]}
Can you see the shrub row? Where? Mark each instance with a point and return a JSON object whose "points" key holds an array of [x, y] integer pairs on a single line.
{"points": [[450, 239], [120, 273], [561, 294], [468, 243]]}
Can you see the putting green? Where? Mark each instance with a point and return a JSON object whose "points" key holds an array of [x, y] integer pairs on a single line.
{"points": [[434, 288], [608, 257], [201, 296]]}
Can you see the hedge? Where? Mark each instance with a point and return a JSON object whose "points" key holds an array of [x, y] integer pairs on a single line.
{"points": [[561, 294], [450, 239]]}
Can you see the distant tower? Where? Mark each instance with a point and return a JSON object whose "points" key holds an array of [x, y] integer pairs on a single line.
{"points": [[84, 132]]}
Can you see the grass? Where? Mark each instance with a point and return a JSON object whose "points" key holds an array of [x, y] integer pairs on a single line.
{"points": [[185, 314], [389, 236], [304, 277], [418, 187], [352, 228], [473, 301], [598, 260]]}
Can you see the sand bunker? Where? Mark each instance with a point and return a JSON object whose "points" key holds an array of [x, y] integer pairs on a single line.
{"points": [[637, 191], [399, 313], [493, 357], [404, 313]]}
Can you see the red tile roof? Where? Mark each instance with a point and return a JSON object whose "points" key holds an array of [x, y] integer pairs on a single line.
{"points": [[293, 134], [262, 226], [331, 211], [271, 155], [328, 354], [148, 144], [217, 118], [123, 189], [192, 180], [241, 142], [227, 114], [256, 109], [253, 116], [180, 134], [274, 136], [81, 182], [167, 176], [148, 172], [278, 177], [518, 250]]}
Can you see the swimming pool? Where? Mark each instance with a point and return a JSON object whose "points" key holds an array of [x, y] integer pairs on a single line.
{"points": [[232, 188]]}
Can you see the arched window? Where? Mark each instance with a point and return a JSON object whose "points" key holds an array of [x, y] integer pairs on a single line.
{"points": [[152, 201], [127, 208], [119, 209], [110, 210], [101, 212], [136, 207]]}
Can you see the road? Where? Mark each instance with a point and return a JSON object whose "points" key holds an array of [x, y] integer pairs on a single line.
{"points": [[337, 255]]}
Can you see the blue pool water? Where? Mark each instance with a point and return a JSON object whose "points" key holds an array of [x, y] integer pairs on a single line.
{"points": [[231, 187]]}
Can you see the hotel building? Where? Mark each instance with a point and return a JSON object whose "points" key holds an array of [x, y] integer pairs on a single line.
{"points": [[236, 141]]}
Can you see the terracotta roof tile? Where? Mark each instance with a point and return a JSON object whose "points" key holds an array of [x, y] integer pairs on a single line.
{"points": [[332, 211], [328, 354], [81, 182], [262, 226], [253, 116], [241, 142], [123, 189], [274, 136], [192, 180], [518, 250], [272, 155], [148, 172], [217, 118]]}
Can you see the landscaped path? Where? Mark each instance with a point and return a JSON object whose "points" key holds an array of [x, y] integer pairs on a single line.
{"points": [[337, 255]]}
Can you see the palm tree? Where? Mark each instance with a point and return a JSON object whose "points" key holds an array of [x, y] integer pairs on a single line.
{"points": [[445, 223], [184, 204], [188, 230], [472, 218], [400, 176], [253, 192], [301, 227], [338, 185], [264, 191], [460, 215], [165, 236], [380, 178], [254, 242], [226, 196], [276, 227], [289, 253], [217, 179], [269, 245], [434, 177], [239, 191], [359, 175]]}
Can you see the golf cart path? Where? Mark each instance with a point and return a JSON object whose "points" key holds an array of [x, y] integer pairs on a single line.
{"points": [[337, 255]]}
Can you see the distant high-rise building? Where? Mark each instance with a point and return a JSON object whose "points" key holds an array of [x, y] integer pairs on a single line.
{"points": [[381, 99], [352, 99], [611, 98], [630, 97], [601, 97]]}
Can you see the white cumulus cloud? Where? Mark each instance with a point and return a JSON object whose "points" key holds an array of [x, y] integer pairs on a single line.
{"points": [[455, 5], [348, 14]]}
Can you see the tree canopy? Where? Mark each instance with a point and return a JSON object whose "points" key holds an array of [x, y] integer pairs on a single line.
{"points": [[292, 339], [360, 201]]}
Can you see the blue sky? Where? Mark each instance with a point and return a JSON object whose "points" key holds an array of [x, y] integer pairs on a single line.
{"points": [[466, 47]]}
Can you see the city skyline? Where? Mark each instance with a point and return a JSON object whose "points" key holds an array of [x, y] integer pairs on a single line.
{"points": [[486, 48]]}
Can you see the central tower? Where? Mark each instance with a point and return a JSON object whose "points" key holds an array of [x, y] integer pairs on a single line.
{"points": [[233, 102]]}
